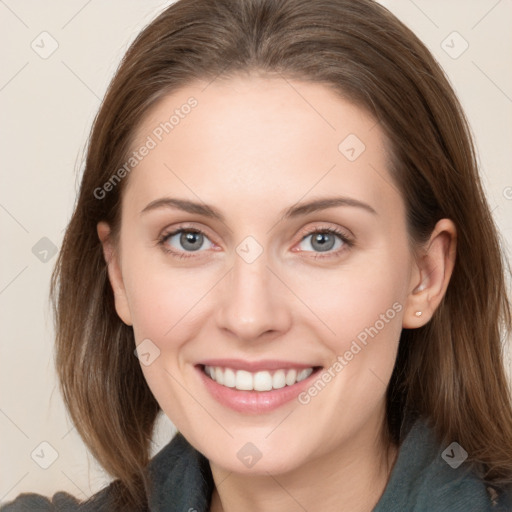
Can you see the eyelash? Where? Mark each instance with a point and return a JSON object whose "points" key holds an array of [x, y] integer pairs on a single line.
{"points": [[347, 242]]}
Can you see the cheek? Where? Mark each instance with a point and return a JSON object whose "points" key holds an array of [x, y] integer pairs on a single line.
{"points": [[168, 309], [359, 310], [363, 314], [349, 300], [162, 298]]}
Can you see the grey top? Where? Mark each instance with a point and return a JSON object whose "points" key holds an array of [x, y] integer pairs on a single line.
{"points": [[425, 478]]}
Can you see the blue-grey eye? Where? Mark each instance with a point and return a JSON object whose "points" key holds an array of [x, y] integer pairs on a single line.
{"points": [[188, 240], [322, 241]]}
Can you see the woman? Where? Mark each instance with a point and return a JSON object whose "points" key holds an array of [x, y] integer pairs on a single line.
{"points": [[281, 215]]}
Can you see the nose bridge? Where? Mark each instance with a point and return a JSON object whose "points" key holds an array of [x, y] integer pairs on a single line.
{"points": [[250, 303]]}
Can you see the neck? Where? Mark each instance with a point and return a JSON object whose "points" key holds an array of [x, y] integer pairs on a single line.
{"points": [[350, 478]]}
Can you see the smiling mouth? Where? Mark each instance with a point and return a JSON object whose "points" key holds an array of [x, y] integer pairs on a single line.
{"points": [[243, 380]]}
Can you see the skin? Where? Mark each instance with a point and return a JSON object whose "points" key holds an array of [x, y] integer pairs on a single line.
{"points": [[253, 147]]}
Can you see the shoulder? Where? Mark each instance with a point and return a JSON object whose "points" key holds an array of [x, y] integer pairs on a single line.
{"points": [[428, 476], [178, 475], [60, 502], [30, 501]]}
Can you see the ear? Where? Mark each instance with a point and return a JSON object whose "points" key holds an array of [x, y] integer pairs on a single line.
{"points": [[114, 272], [431, 274]]}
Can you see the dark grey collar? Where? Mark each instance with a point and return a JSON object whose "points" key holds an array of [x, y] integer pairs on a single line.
{"points": [[181, 479], [422, 480]]}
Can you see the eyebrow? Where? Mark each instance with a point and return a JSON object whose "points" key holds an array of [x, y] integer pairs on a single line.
{"points": [[292, 212], [323, 204]]}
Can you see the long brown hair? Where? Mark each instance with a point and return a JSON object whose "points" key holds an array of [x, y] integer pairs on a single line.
{"points": [[451, 370]]}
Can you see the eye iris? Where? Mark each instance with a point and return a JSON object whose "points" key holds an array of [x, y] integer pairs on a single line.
{"points": [[189, 240], [325, 240]]}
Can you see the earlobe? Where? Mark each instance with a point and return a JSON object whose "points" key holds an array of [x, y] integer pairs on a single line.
{"points": [[114, 272], [433, 270]]}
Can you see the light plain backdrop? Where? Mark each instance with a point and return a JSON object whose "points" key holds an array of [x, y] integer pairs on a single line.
{"points": [[48, 102]]}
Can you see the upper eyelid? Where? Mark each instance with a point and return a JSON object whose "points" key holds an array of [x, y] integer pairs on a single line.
{"points": [[305, 232], [169, 231], [329, 229]]}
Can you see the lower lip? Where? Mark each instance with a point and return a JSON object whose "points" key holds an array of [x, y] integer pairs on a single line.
{"points": [[254, 402]]}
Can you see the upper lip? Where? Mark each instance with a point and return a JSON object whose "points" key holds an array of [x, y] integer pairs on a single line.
{"points": [[254, 366]]}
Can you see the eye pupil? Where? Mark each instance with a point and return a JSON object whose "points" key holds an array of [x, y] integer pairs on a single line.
{"points": [[189, 240], [325, 240]]}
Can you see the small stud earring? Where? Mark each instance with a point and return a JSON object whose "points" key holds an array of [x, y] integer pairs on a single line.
{"points": [[418, 313]]}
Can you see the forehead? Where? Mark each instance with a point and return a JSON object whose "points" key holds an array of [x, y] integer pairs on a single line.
{"points": [[259, 137]]}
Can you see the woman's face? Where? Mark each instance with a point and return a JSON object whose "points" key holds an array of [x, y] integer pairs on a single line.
{"points": [[292, 262]]}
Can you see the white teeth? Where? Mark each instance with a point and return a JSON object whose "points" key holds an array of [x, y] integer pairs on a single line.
{"points": [[291, 377], [229, 378], [279, 379], [262, 381], [243, 380], [219, 375], [304, 374], [258, 381]]}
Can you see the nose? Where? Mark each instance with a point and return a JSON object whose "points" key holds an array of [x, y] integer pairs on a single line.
{"points": [[253, 302]]}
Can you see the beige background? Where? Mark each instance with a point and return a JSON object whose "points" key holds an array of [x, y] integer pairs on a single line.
{"points": [[47, 107]]}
